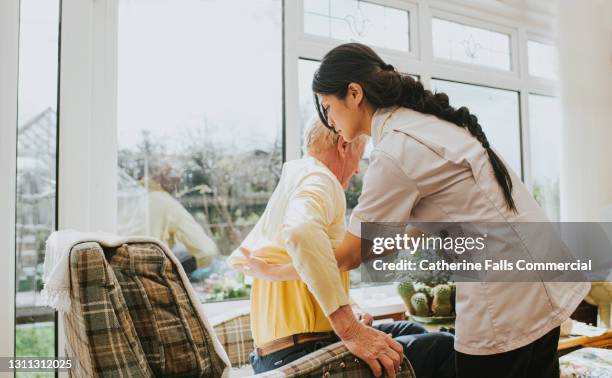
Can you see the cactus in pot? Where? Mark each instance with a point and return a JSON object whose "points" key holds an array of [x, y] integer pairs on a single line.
{"points": [[428, 293], [441, 304], [420, 304], [406, 290]]}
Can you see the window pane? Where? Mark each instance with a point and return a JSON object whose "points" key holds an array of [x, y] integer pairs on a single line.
{"points": [[470, 44], [498, 114], [545, 122], [308, 112], [199, 127], [36, 173], [360, 21], [542, 60]]}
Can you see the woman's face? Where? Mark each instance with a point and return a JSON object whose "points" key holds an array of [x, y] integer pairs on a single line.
{"points": [[345, 115]]}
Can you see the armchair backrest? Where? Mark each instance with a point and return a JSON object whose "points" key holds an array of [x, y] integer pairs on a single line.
{"points": [[131, 314]]}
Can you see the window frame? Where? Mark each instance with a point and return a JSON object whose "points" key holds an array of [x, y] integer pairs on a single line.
{"points": [[503, 18], [9, 76]]}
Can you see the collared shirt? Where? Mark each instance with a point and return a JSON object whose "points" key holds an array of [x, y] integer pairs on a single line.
{"points": [[302, 223], [423, 169]]}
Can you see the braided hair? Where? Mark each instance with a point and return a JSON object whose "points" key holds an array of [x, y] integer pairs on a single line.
{"points": [[384, 86]]}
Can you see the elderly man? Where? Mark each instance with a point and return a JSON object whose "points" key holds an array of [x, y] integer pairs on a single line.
{"points": [[302, 224]]}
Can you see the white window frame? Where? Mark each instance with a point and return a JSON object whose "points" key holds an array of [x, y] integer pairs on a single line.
{"points": [[518, 25], [87, 162], [9, 76]]}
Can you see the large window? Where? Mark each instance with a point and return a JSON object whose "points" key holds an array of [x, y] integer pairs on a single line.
{"points": [[498, 114], [199, 126], [545, 123], [211, 94], [36, 173]]}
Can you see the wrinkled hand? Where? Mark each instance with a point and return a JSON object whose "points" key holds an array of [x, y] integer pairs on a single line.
{"points": [[376, 348]]}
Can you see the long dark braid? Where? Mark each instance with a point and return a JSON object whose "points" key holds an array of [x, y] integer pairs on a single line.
{"points": [[384, 86]]}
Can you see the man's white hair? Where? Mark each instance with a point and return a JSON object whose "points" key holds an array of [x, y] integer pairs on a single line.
{"points": [[317, 138]]}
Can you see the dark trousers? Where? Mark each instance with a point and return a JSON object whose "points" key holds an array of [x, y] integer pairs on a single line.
{"points": [[432, 355], [538, 360]]}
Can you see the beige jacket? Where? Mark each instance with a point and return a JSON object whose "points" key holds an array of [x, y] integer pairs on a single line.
{"points": [[428, 170]]}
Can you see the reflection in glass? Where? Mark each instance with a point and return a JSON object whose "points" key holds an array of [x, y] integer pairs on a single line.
{"points": [[498, 114], [545, 120], [36, 173], [199, 128], [542, 60], [469, 44], [359, 21]]}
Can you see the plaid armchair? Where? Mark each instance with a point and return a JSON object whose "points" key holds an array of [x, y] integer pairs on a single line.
{"points": [[335, 360], [130, 316]]}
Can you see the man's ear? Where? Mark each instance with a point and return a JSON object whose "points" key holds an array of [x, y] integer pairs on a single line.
{"points": [[342, 146], [355, 93]]}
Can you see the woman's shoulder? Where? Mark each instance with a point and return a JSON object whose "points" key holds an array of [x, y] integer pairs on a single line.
{"points": [[414, 136]]}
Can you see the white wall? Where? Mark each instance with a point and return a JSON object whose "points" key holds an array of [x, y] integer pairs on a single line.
{"points": [[585, 50]]}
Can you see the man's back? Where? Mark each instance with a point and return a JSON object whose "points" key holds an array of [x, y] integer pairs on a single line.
{"points": [[307, 194]]}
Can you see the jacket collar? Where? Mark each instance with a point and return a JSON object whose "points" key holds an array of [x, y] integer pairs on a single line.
{"points": [[380, 119]]}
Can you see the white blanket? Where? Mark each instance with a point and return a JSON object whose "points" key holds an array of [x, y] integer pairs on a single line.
{"points": [[56, 275]]}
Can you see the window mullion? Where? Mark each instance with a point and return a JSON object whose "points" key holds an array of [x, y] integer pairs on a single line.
{"points": [[9, 42]]}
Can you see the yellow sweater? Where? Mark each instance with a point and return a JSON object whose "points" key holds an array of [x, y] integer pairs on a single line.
{"points": [[303, 222]]}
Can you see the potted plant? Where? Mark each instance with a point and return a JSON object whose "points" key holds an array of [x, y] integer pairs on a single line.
{"points": [[429, 296]]}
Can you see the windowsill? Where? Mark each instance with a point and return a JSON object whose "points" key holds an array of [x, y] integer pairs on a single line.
{"points": [[376, 300]]}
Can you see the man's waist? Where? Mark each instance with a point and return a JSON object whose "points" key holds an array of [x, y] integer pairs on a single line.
{"points": [[292, 340]]}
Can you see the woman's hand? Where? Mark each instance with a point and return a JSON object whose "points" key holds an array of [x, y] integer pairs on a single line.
{"points": [[258, 268]]}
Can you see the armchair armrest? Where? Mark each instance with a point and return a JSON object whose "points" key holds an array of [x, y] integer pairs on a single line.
{"points": [[331, 361], [234, 332]]}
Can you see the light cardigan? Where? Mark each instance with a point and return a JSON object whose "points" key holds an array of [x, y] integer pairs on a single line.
{"points": [[302, 223], [56, 276]]}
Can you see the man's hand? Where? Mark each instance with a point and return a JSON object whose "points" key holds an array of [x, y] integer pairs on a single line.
{"points": [[377, 349]]}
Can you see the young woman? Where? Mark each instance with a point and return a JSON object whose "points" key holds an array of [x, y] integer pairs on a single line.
{"points": [[433, 163]]}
